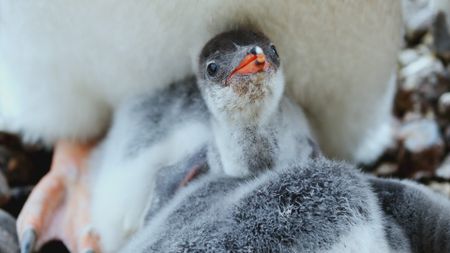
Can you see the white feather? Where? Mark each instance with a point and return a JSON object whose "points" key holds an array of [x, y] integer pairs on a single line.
{"points": [[122, 184]]}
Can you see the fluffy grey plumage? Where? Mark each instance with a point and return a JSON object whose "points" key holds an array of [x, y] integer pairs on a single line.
{"points": [[317, 206], [154, 116], [256, 127], [300, 205], [422, 215], [151, 135], [154, 135], [309, 207]]}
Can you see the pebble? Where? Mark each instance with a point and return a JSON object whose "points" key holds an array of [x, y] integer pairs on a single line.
{"points": [[447, 137], [444, 170], [386, 169], [441, 34], [417, 71], [419, 135], [422, 101], [419, 15], [422, 148], [443, 188], [444, 105]]}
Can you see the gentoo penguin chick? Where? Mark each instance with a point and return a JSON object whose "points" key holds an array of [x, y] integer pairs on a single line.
{"points": [[255, 126], [310, 206], [160, 134], [313, 206], [306, 205], [155, 140]]}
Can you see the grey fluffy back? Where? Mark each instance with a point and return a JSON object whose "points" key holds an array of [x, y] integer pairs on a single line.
{"points": [[308, 207], [305, 208], [422, 215]]}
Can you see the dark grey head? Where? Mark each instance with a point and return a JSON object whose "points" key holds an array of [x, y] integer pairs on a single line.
{"points": [[239, 75]]}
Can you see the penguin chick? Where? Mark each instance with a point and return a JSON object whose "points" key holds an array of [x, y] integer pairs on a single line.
{"points": [[154, 137], [152, 143], [255, 126], [421, 215], [304, 205], [312, 206]]}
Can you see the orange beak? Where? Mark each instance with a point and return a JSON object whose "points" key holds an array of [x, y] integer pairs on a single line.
{"points": [[251, 64]]}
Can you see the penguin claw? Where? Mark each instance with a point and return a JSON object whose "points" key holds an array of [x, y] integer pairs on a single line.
{"points": [[28, 241]]}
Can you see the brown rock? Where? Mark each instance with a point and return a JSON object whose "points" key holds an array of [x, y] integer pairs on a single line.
{"points": [[440, 187], [447, 138], [441, 34], [405, 100], [421, 150], [416, 71], [22, 165], [432, 88], [386, 169], [444, 105]]}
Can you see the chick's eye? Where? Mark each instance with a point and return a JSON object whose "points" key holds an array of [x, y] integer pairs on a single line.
{"points": [[212, 68], [274, 50]]}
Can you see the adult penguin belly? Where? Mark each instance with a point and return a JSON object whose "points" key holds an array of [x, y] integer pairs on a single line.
{"points": [[65, 65]]}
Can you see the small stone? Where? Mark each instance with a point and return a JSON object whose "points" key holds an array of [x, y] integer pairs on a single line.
{"points": [[441, 34], [444, 170], [443, 188], [419, 135], [418, 16], [408, 56], [447, 137], [444, 105], [415, 72], [431, 89], [410, 117], [14, 164], [422, 148], [386, 169], [22, 165], [405, 100]]}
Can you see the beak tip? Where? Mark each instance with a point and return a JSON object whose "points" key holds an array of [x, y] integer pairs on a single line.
{"points": [[253, 63]]}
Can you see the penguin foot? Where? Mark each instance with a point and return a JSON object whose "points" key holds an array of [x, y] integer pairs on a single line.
{"points": [[58, 207]]}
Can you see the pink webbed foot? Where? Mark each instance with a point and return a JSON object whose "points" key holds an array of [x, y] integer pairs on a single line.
{"points": [[58, 207]]}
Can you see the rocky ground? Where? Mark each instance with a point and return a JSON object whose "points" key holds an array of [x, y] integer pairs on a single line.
{"points": [[421, 147], [421, 118]]}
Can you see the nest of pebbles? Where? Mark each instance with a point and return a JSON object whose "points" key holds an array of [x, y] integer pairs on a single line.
{"points": [[420, 147]]}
